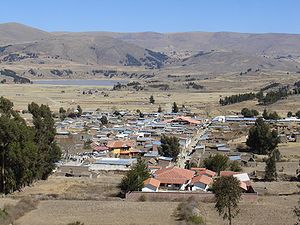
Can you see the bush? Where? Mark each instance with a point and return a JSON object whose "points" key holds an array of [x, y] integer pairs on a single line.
{"points": [[187, 213]]}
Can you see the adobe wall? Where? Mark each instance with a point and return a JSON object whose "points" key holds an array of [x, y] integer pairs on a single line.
{"points": [[180, 196]]}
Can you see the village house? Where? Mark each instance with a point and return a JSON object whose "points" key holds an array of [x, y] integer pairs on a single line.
{"points": [[201, 182], [151, 185], [174, 178]]}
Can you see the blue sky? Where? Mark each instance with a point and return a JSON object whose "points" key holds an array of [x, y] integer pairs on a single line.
{"points": [[254, 16]]}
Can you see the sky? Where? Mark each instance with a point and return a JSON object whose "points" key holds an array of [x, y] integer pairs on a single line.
{"points": [[248, 16]]}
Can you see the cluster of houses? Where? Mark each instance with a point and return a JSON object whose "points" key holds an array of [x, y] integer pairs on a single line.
{"points": [[195, 179], [115, 146]]}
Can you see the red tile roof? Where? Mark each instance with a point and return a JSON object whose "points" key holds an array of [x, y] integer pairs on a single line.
{"points": [[152, 181], [183, 118], [174, 175], [120, 144], [202, 179], [204, 171], [100, 148]]}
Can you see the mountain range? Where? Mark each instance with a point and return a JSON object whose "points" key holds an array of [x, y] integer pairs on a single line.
{"points": [[204, 52]]}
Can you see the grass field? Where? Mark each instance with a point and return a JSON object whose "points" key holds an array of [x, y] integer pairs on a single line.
{"points": [[204, 103]]}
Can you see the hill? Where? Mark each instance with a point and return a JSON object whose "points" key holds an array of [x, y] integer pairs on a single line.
{"points": [[164, 53], [11, 33]]}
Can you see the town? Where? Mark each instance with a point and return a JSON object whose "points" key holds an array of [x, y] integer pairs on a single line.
{"points": [[99, 141]]}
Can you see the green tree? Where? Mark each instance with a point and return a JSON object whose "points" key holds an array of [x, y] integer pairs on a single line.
{"points": [[6, 106], [134, 178], [62, 113], [270, 170], [151, 99], [174, 108], [227, 193], [62, 110], [261, 139], [265, 114], [289, 114], [298, 114], [159, 110], [48, 150], [170, 147], [104, 120], [216, 163], [26, 153], [235, 166], [79, 109]]}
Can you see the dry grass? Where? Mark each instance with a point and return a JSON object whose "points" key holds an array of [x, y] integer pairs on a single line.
{"points": [[11, 213], [96, 212]]}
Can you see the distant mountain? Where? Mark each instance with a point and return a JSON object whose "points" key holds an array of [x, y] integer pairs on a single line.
{"points": [[219, 52], [11, 33]]}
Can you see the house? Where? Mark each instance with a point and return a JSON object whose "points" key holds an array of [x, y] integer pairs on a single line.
{"points": [[184, 121], [204, 171], [120, 146], [112, 164], [201, 182], [174, 178], [164, 161], [151, 185], [248, 160]]}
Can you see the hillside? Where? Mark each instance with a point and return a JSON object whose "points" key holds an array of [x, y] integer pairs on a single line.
{"points": [[11, 33], [196, 52]]}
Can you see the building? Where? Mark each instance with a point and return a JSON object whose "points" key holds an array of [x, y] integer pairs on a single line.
{"points": [[201, 182], [151, 185], [174, 178]]}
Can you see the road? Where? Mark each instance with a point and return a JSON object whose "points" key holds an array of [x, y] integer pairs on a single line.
{"points": [[183, 155]]}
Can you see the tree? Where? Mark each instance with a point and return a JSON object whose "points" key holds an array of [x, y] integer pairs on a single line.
{"points": [[235, 166], [249, 113], [170, 147], [261, 139], [134, 178], [159, 110], [62, 113], [79, 109], [298, 114], [26, 153], [175, 108], [289, 114], [48, 150], [216, 163], [227, 193], [104, 120], [270, 170], [151, 99], [62, 110], [270, 116], [6, 106], [265, 114]]}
